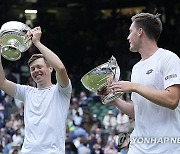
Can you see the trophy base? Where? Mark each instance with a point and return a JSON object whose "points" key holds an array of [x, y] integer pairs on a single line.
{"points": [[111, 97]]}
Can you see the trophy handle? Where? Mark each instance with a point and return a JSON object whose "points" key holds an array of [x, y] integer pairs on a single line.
{"points": [[113, 65], [27, 39]]}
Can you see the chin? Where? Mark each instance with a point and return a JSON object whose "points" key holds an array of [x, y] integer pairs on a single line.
{"points": [[132, 49], [38, 81]]}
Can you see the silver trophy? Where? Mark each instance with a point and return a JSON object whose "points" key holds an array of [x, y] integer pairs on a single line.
{"points": [[100, 76], [13, 35]]}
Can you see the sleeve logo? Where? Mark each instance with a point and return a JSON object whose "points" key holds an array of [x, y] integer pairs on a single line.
{"points": [[171, 76]]}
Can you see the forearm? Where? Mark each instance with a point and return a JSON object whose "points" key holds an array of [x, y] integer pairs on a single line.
{"points": [[125, 107], [50, 56], [6, 85], [167, 98], [55, 62]]}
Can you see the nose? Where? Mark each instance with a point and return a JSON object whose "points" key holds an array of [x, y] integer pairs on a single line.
{"points": [[35, 70]]}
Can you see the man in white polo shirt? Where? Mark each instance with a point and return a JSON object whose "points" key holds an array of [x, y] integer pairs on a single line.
{"points": [[155, 87], [45, 106]]}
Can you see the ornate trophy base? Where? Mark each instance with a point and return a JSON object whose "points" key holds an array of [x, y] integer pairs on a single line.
{"points": [[111, 97]]}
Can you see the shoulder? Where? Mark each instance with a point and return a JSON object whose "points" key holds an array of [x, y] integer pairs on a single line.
{"points": [[165, 58], [22, 91], [167, 54], [25, 87], [67, 88]]}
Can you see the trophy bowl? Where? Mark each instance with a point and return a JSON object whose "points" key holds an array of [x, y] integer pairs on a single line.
{"points": [[13, 35], [100, 76]]}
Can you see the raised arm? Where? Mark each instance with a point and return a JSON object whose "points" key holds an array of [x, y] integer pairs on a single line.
{"points": [[51, 57], [6, 85]]}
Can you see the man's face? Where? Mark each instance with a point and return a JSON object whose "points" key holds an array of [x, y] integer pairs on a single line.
{"points": [[40, 72], [133, 38]]}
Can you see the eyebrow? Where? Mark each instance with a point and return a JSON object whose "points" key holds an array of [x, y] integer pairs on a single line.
{"points": [[35, 66]]}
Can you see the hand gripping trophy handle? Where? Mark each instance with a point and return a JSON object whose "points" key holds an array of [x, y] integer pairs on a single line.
{"points": [[100, 76], [13, 35]]}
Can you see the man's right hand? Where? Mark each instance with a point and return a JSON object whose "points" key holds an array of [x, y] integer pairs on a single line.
{"points": [[104, 91], [35, 34]]}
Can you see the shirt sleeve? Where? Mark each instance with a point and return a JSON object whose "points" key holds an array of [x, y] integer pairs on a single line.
{"points": [[21, 92], [66, 90], [171, 70]]}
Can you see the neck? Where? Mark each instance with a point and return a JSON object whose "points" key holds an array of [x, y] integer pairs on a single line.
{"points": [[149, 48], [41, 85]]}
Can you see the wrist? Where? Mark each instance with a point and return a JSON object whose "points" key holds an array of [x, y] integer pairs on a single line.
{"points": [[37, 43], [135, 87], [115, 102]]}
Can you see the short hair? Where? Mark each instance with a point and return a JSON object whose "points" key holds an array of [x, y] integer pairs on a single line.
{"points": [[150, 23], [35, 57]]}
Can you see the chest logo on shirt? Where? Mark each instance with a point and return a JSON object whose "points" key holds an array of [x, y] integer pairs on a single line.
{"points": [[149, 71]]}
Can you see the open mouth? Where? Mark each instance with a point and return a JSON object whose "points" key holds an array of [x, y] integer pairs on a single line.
{"points": [[37, 76]]}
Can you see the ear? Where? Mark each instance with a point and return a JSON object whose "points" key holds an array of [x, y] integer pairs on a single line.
{"points": [[140, 32], [51, 68]]}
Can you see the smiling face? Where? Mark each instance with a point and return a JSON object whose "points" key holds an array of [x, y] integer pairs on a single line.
{"points": [[134, 38], [40, 71]]}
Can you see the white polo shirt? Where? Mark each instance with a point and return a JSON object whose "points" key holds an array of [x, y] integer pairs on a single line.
{"points": [[152, 121], [45, 114]]}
